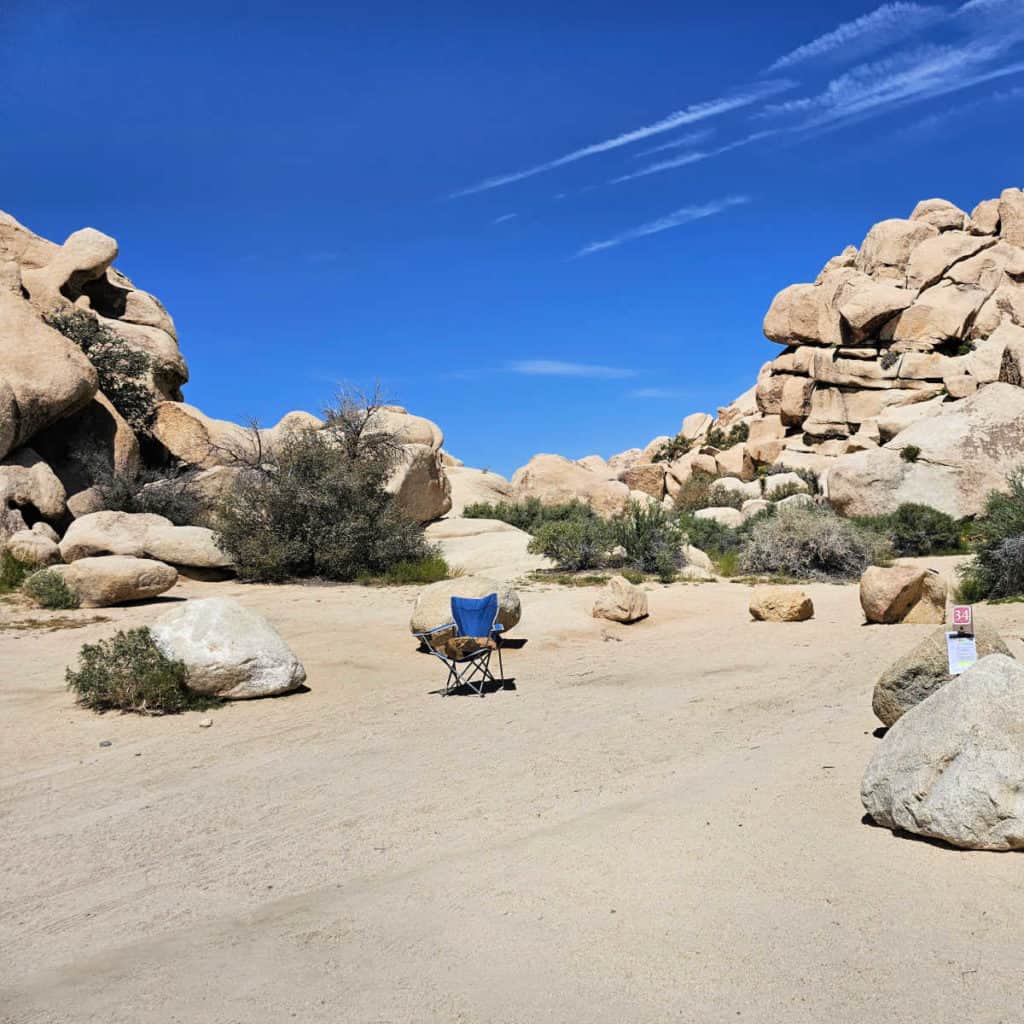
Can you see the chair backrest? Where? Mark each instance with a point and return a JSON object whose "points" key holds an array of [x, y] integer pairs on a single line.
{"points": [[475, 616]]}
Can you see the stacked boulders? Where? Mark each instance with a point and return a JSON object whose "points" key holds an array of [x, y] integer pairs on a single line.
{"points": [[60, 434]]}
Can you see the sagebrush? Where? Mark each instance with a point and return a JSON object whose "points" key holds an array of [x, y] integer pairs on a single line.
{"points": [[129, 672]]}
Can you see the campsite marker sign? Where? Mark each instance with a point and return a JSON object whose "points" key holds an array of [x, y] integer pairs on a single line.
{"points": [[960, 643]]}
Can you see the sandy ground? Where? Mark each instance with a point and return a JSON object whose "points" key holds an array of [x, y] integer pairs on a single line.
{"points": [[658, 823]]}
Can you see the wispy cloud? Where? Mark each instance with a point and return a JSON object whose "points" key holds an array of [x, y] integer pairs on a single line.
{"points": [[690, 139], [929, 124], [924, 73], [686, 215], [653, 394], [693, 158], [554, 368], [875, 31], [690, 115], [505, 218]]}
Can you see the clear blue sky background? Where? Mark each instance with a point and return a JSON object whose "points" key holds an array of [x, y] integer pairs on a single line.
{"points": [[282, 176]]}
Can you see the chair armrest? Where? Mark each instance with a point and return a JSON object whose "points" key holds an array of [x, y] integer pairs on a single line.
{"points": [[497, 628], [436, 629]]}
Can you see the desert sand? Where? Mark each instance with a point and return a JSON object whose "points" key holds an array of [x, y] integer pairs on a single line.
{"points": [[657, 822]]}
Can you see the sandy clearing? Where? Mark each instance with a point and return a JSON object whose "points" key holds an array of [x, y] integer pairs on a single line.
{"points": [[661, 822]]}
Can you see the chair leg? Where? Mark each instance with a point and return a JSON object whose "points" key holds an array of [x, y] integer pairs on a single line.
{"points": [[501, 666]]}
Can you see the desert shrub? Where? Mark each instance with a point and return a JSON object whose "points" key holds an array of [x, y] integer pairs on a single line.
{"points": [[650, 537], [123, 372], [724, 497], [48, 589], [634, 576], [429, 569], [695, 493], [672, 449], [170, 492], [578, 542], [128, 672], [808, 476], [889, 359], [317, 506], [784, 491], [711, 537], [997, 569], [910, 453], [810, 544], [917, 530], [12, 573], [528, 515], [722, 439]]}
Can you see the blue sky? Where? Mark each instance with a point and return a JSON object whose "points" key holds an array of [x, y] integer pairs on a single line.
{"points": [[551, 227]]}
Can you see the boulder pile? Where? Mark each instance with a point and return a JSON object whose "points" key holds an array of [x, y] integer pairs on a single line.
{"points": [[900, 379], [61, 430]]}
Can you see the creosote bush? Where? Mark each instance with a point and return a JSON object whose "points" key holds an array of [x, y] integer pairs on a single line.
{"points": [[12, 573], [918, 530], [128, 672], [723, 439], [581, 541], [695, 493], [48, 589], [429, 569], [317, 505], [724, 497], [997, 569], [808, 476], [123, 371], [910, 453], [651, 539], [811, 544], [528, 515], [672, 449]]}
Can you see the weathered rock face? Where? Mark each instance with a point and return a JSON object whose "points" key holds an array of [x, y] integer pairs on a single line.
{"points": [[555, 480], [31, 548], [902, 593], [433, 607], [951, 767], [620, 601], [420, 484], [113, 579], [965, 451], [780, 604], [29, 486], [922, 671], [475, 486], [230, 651]]}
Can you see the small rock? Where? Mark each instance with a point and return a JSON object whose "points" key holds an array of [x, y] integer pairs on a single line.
{"points": [[780, 604], [106, 743], [205, 723]]}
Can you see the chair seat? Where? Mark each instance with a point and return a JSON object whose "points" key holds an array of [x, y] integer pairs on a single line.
{"points": [[459, 647]]}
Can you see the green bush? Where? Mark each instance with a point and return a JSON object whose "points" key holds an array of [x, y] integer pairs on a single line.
{"points": [[579, 542], [711, 537], [997, 569], [318, 506], [651, 538], [722, 439], [808, 476], [785, 491], [170, 492], [48, 589], [695, 493], [673, 449], [128, 672], [917, 530], [910, 453], [123, 371], [528, 515], [429, 569], [12, 573], [724, 497], [812, 544]]}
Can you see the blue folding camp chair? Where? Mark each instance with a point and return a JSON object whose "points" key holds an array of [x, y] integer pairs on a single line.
{"points": [[477, 618]]}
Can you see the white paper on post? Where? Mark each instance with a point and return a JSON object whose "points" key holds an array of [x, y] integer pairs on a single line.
{"points": [[963, 653]]}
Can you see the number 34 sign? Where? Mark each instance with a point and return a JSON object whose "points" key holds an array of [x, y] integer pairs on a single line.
{"points": [[963, 617]]}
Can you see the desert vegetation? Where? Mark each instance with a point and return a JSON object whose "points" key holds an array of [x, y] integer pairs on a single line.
{"points": [[997, 536]]}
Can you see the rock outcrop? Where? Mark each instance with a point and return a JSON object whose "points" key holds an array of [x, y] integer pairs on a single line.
{"points": [[951, 767]]}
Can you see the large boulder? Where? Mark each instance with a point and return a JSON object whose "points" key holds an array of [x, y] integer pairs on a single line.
{"points": [[433, 606], [941, 214], [143, 534], [229, 651], [114, 579], [620, 601], [420, 484], [488, 547], [903, 593], [475, 486], [28, 483], [922, 671], [886, 250], [199, 440], [555, 480], [965, 451], [648, 477], [951, 767], [405, 427], [780, 604], [32, 548], [44, 378]]}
